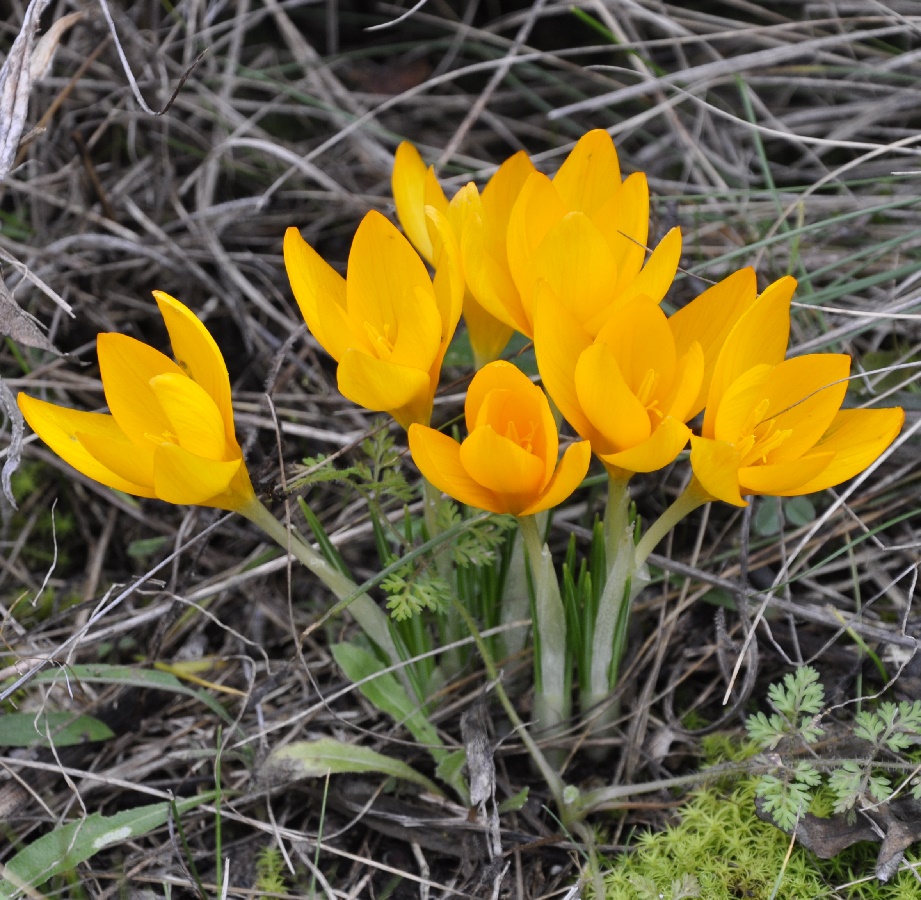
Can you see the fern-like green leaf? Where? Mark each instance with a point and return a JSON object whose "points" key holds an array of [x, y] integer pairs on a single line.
{"points": [[801, 693], [846, 785]]}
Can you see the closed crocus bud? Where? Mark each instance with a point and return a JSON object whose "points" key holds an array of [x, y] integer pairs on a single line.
{"points": [[387, 323], [508, 461], [170, 431]]}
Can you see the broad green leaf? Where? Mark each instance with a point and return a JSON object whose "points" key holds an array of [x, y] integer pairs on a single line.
{"points": [[799, 511], [64, 848], [128, 676], [24, 729], [450, 770], [390, 697], [316, 759], [514, 803], [767, 520]]}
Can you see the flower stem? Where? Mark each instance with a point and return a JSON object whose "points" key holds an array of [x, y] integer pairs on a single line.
{"points": [[369, 616], [610, 628], [554, 782], [552, 704], [452, 630], [691, 498], [624, 582]]}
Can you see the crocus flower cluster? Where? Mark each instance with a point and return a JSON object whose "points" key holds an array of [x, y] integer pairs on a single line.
{"points": [[560, 259], [563, 261]]}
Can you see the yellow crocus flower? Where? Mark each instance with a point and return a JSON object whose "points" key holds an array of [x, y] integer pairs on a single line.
{"points": [[170, 434], [775, 426], [415, 187], [583, 220], [631, 388], [387, 323], [508, 462]]}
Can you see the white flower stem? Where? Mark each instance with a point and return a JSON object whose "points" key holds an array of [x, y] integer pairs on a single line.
{"points": [[610, 627], [552, 704]]}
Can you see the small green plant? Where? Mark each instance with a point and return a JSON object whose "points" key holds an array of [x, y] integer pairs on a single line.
{"points": [[270, 871], [797, 703], [882, 734]]}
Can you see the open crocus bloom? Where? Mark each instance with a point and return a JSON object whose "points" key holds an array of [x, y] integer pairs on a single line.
{"points": [[583, 220], [415, 187], [386, 323], [170, 434], [508, 462], [775, 426], [631, 387]]}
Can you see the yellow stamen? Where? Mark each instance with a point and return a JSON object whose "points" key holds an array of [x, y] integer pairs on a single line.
{"points": [[763, 438], [645, 393], [381, 343], [166, 437], [526, 440]]}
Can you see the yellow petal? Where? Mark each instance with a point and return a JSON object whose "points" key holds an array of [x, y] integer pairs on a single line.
{"points": [[383, 386], [779, 479], [624, 222], [195, 419], [438, 459], [639, 338], [576, 262], [390, 296], [709, 318], [759, 336], [182, 477], [806, 393], [607, 401], [58, 427], [500, 394], [679, 401], [487, 272], [497, 376], [465, 203], [320, 294], [716, 467], [502, 191], [566, 478], [590, 174], [129, 461], [657, 275], [857, 437], [656, 452], [537, 209], [198, 355], [488, 335], [504, 468], [448, 283], [409, 185], [127, 366], [731, 421], [559, 341]]}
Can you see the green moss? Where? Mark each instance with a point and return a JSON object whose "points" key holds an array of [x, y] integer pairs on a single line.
{"points": [[720, 850]]}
